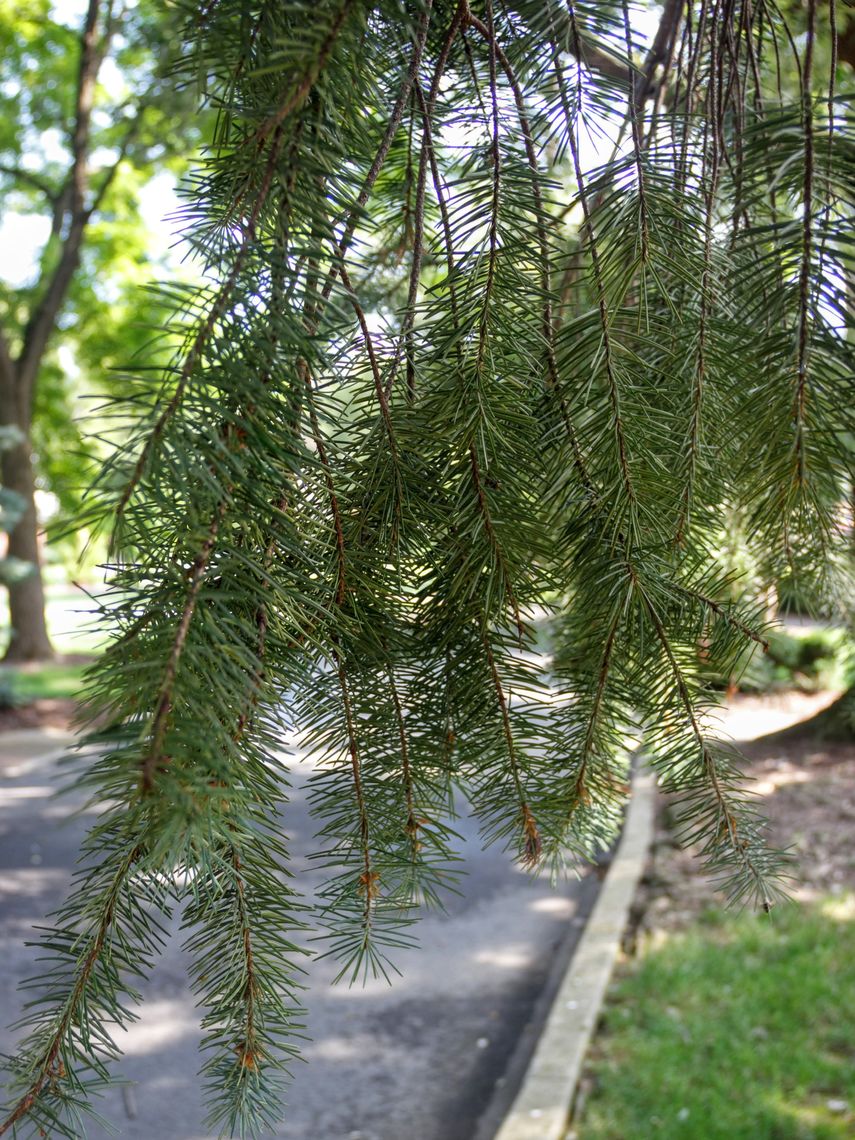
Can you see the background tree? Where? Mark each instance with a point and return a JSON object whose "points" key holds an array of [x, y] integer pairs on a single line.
{"points": [[86, 117], [11, 508], [449, 371]]}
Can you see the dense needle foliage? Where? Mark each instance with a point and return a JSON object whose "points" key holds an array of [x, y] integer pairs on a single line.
{"points": [[450, 375]]}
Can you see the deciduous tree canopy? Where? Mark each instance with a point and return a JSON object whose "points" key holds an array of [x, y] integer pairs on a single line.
{"points": [[87, 116]]}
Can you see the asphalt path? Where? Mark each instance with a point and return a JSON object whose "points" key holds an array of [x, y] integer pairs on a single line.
{"points": [[433, 1057]]}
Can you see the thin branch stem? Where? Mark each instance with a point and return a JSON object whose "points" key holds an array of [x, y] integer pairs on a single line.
{"points": [[602, 304], [530, 832], [45, 1066], [804, 320], [163, 705]]}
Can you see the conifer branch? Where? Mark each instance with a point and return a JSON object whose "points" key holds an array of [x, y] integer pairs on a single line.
{"points": [[49, 1066], [392, 126], [580, 793], [542, 236], [379, 387], [727, 827], [216, 312], [369, 885], [602, 304], [804, 319], [709, 180], [163, 705], [318, 439], [484, 508], [412, 825], [439, 194], [428, 107], [531, 840], [587, 379], [301, 93], [633, 112]]}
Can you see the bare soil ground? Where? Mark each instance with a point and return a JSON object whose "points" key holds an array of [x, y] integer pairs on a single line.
{"points": [[47, 713], [806, 789]]}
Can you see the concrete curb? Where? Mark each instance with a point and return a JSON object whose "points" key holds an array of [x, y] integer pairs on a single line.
{"points": [[541, 1110]]}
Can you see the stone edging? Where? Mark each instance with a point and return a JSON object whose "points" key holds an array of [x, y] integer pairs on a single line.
{"points": [[541, 1109]]}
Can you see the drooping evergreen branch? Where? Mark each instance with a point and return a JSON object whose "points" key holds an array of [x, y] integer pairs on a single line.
{"points": [[200, 341], [602, 305], [296, 98], [531, 845], [392, 127], [597, 342], [731, 842], [804, 319], [709, 179], [553, 379], [163, 704], [580, 794], [48, 1072], [637, 140]]}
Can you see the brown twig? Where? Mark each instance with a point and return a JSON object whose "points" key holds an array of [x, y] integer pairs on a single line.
{"points": [[804, 321], [530, 833], [163, 705], [46, 1066], [614, 390]]}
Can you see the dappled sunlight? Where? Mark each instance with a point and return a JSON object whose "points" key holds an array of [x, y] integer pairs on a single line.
{"points": [[553, 904], [27, 792], [657, 939], [775, 780], [341, 1048], [832, 1114], [29, 882], [749, 717], [163, 1023], [840, 909], [510, 958], [362, 988]]}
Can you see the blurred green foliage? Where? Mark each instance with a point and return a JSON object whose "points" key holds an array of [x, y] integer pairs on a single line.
{"points": [[144, 126], [11, 509], [812, 659], [51, 681]]}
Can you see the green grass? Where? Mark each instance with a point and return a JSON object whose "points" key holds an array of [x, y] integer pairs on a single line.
{"points": [[22, 686], [70, 624], [46, 681], [741, 1029]]}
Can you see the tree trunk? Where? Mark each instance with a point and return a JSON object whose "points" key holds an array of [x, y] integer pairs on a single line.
{"points": [[29, 637]]}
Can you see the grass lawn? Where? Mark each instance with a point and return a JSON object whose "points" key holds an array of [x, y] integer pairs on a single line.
{"points": [[43, 681], [70, 615], [739, 1028]]}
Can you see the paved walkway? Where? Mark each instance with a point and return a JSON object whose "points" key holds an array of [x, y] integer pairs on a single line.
{"points": [[419, 1061]]}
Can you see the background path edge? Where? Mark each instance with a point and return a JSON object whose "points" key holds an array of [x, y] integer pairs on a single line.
{"points": [[542, 1107]]}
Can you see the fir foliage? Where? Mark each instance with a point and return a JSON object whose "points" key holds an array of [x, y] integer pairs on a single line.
{"points": [[446, 382]]}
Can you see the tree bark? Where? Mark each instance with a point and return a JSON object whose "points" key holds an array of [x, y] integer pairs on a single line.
{"points": [[19, 374], [29, 636], [29, 639]]}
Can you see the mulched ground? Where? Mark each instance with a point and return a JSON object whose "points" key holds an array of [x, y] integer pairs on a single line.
{"points": [[48, 713], [806, 790]]}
